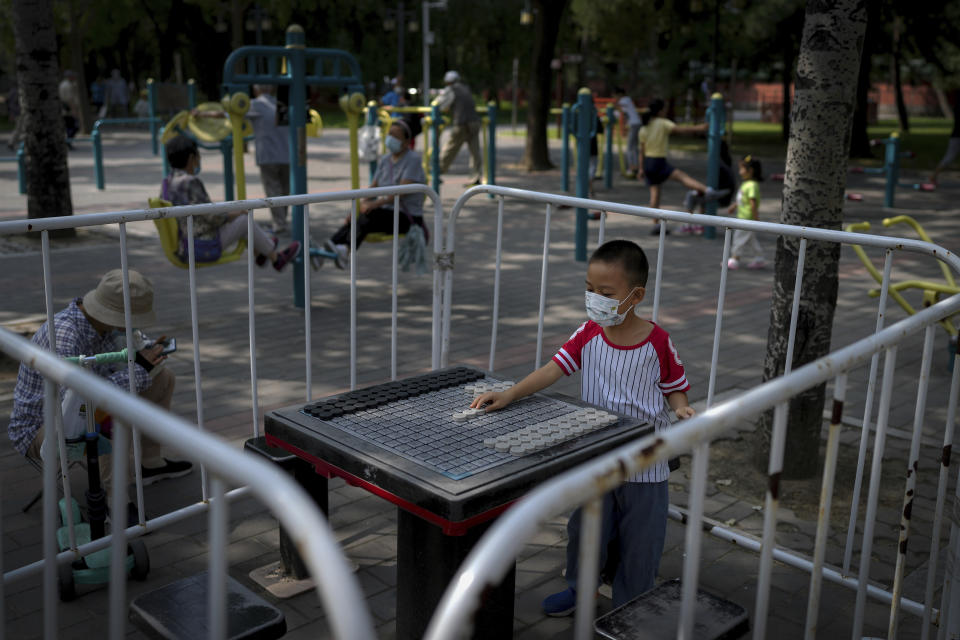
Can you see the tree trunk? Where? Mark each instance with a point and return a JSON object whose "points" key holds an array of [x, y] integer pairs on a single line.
{"points": [[48, 178], [897, 82], [813, 196], [546, 29]]}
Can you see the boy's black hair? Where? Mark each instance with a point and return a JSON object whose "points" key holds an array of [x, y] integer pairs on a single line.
{"points": [[755, 167], [628, 255], [179, 150], [655, 106]]}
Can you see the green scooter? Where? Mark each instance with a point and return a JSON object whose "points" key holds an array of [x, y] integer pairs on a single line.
{"points": [[94, 568]]}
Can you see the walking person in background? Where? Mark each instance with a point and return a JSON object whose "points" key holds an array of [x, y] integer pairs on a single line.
{"points": [[747, 207], [626, 107], [273, 150], [97, 96], [70, 101], [116, 95], [457, 99]]}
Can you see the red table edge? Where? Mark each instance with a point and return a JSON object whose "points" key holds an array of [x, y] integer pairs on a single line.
{"points": [[449, 528]]}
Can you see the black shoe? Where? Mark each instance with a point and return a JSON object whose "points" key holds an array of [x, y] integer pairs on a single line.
{"points": [[173, 469]]}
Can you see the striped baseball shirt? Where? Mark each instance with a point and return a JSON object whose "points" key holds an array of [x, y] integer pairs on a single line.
{"points": [[632, 380]]}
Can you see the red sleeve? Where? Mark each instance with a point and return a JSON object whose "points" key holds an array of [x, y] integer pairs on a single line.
{"points": [[568, 357], [672, 376]]}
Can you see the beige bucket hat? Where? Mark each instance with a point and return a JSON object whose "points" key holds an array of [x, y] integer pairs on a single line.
{"points": [[105, 303]]}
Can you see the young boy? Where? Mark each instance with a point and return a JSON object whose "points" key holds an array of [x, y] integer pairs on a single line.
{"points": [[630, 366]]}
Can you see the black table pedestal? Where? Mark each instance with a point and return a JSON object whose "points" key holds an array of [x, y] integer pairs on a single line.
{"points": [[427, 561]]}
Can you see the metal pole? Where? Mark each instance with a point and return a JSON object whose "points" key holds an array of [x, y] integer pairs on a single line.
{"points": [[435, 153], [191, 93], [372, 121], [717, 119], [154, 116], [565, 148], [892, 165], [426, 57], [298, 146], [400, 28], [586, 123], [22, 170], [516, 83], [226, 150], [608, 152], [97, 155], [492, 143]]}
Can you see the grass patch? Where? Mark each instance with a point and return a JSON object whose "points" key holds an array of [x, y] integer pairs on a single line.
{"points": [[927, 138]]}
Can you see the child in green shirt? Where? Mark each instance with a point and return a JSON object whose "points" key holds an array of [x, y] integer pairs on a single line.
{"points": [[747, 207]]}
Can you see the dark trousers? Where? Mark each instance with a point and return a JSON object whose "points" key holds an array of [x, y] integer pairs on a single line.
{"points": [[635, 526], [373, 221]]}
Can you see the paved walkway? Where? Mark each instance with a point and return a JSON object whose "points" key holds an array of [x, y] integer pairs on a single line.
{"points": [[365, 525]]}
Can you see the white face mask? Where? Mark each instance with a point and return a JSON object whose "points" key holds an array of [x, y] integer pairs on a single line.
{"points": [[603, 310]]}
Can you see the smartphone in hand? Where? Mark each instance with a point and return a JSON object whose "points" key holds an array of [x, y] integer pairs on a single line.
{"points": [[169, 346]]}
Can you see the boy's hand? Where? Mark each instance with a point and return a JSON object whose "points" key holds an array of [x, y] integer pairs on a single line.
{"points": [[685, 412], [492, 400], [732, 208]]}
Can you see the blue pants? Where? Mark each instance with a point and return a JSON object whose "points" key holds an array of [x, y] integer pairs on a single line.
{"points": [[635, 521]]}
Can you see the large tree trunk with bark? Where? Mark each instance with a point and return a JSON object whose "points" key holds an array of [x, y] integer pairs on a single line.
{"points": [[546, 29], [48, 178], [815, 178]]}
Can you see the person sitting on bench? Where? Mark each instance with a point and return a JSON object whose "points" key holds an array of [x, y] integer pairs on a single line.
{"points": [[399, 166], [216, 232], [90, 326]]}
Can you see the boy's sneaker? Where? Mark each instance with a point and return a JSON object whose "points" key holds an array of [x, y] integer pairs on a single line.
{"points": [[560, 604], [342, 261], [172, 469], [285, 256], [715, 194], [758, 263], [733, 263]]}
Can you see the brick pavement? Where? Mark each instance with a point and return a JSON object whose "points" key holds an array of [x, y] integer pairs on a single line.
{"points": [[366, 526]]}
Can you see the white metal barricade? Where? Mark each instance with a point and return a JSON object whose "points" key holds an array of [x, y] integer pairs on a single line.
{"points": [[491, 559], [493, 556], [45, 225], [337, 586]]}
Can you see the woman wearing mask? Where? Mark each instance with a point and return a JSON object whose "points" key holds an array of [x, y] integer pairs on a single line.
{"points": [[398, 166]]}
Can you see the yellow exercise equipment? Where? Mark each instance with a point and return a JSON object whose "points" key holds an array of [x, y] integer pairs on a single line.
{"points": [[314, 124], [170, 240], [931, 290], [208, 129]]}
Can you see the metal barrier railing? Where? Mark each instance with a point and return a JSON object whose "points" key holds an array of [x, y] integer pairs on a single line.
{"points": [[800, 235], [45, 225], [336, 585], [493, 556]]}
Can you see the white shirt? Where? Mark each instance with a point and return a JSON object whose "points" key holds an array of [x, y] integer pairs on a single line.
{"points": [[633, 380]]}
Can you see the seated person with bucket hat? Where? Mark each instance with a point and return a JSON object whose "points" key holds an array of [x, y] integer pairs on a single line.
{"points": [[88, 326]]}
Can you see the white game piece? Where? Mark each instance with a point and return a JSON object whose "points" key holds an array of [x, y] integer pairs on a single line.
{"points": [[503, 447], [490, 442], [516, 450], [459, 416]]}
